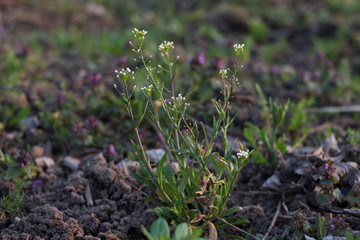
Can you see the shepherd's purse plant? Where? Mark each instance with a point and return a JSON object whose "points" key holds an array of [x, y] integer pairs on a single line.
{"points": [[195, 194]]}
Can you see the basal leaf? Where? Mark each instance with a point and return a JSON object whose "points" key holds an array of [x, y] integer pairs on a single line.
{"points": [[229, 211], [12, 172], [181, 232], [320, 226], [160, 229]]}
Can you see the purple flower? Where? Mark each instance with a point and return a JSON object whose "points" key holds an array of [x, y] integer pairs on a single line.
{"points": [[109, 151], [197, 62], [91, 122], [36, 183], [326, 166], [274, 70], [317, 74], [304, 76], [217, 63], [22, 52], [327, 171], [122, 62], [22, 158], [94, 79], [60, 99], [320, 56], [332, 226], [79, 130]]}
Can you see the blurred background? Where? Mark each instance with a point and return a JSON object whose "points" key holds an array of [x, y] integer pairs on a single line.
{"points": [[57, 60]]}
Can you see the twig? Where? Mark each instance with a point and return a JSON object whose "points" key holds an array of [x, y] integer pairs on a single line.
{"points": [[353, 212], [162, 139], [341, 109], [344, 121], [273, 221], [137, 188], [292, 218], [226, 222], [88, 197], [236, 228], [258, 192]]}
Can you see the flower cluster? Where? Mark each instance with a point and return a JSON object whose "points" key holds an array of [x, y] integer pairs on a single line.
{"points": [[91, 122], [223, 72], [95, 79], [79, 130], [239, 48], [166, 46], [137, 32], [147, 89], [109, 151], [23, 157], [125, 74], [178, 101], [338, 223], [327, 171], [243, 154], [197, 62], [60, 99]]}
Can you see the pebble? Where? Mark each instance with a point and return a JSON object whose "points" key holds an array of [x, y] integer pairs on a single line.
{"points": [[44, 161], [30, 122], [155, 155], [37, 151], [71, 162]]}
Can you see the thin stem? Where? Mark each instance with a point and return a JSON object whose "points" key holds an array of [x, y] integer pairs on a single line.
{"points": [[148, 168]]}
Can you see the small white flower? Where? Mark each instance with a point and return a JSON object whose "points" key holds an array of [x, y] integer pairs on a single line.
{"points": [[243, 154], [137, 32], [223, 73], [238, 48], [166, 46]]}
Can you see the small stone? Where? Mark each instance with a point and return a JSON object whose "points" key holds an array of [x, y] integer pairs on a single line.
{"points": [[30, 122], [37, 151], [71, 162], [125, 166], [44, 161], [155, 155], [175, 167]]}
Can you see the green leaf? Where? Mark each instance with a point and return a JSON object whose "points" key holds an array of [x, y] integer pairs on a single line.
{"points": [[12, 172], [258, 157], [161, 164], [297, 235], [169, 175], [24, 113], [160, 229], [141, 116], [324, 198], [140, 178], [349, 236], [183, 183], [229, 211], [147, 234], [181, 232], [280, 145], [248, 134], [337, 194], [320, 226], [353, 200], [327, 182]]}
